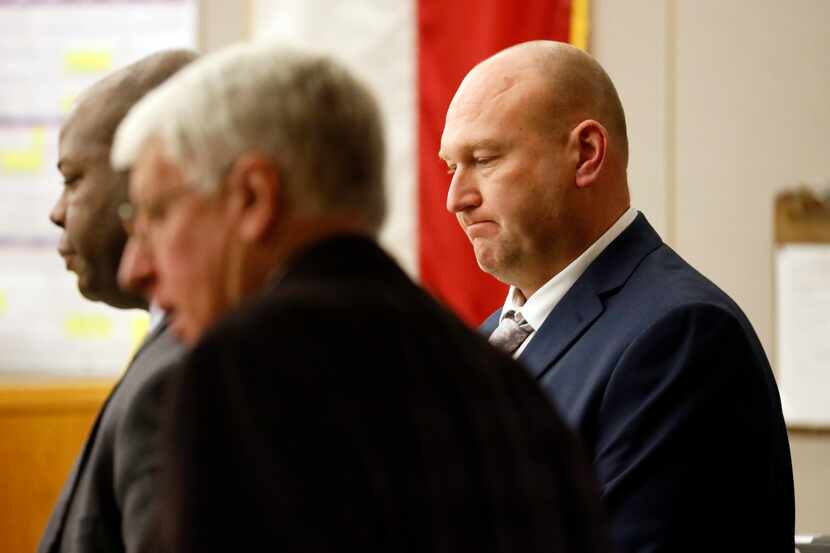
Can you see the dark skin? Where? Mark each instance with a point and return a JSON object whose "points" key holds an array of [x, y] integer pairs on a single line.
{"points": [[87, 209], [93, 237]]}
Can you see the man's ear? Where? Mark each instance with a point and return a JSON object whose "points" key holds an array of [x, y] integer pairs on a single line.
{"points": [[591, 139], [254, 195]]}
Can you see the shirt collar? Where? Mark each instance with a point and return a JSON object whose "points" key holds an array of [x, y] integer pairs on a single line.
{"points": [[156, 316], [538, 306]]}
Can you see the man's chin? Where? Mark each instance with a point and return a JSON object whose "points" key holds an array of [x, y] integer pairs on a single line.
{"points": [[179, 329], [88, 289], [114, 297], [495, 265], [187, 333], [487, 260]]}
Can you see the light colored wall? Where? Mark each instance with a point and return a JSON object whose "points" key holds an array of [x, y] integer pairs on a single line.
{"points": [[727, 103], [630, 40], [222, 22], [753, 117]]}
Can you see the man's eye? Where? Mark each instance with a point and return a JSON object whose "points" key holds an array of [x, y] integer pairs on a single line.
{"points": [[484, 160]]}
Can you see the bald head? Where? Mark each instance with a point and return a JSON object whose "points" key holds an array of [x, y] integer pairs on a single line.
{"points": [[574, 85], [87, 210], [101, 107], [535, 138]]}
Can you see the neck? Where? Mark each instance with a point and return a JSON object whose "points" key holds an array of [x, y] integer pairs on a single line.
{"points": [[550, 265], [298, 233]]}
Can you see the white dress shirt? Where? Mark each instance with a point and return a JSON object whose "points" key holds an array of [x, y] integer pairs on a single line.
{"points": [[538, 306], [156, 316]]}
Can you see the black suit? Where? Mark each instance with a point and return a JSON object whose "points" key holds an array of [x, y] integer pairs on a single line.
{"points": [[108, 501], [663, 377], [345, 410]]}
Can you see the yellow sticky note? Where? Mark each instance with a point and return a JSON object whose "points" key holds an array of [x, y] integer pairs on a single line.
{"points": [[21, 161], [88, 327], [38, 138], [3, 303], [139, 326], [87, 61], [28, 160]]}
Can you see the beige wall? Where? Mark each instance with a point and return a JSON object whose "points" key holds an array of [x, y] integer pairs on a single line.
{"points": [[630, 40], [222, 23], [727, 103]]}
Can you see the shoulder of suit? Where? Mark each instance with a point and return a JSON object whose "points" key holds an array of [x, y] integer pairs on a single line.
{"points": [[153, 362]]}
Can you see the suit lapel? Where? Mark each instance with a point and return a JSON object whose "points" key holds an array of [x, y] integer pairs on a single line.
{"points": [[578, 309], [489, 325], [583, 303]]}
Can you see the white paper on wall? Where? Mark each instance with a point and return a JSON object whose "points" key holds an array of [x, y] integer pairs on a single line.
{"points": [[50, 51], [46, 325], [803, 331]]}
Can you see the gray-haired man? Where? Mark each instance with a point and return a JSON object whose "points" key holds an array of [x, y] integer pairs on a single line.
{"points": [[241, 162]]}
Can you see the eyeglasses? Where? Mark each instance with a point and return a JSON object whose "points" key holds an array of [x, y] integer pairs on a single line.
{"points": [[142, 222]]}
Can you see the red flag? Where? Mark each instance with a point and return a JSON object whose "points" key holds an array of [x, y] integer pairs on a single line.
{"points": [[452, 37]]}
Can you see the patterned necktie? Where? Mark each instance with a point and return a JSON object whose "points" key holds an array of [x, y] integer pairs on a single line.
{"points": [[512, 331]]}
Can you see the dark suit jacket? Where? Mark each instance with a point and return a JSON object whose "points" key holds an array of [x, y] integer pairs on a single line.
{"points": [[663, 377], [345, 410], [107, 501]]}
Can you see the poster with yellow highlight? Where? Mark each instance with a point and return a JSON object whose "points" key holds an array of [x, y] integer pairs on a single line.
{"points": [[50, 51]]}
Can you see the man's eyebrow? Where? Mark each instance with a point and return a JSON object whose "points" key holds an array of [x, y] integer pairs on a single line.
{"points": [[80, 157], [483, 144]]}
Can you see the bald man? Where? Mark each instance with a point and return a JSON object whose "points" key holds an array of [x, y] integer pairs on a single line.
{"points": [[107, 501], [656, 368]]}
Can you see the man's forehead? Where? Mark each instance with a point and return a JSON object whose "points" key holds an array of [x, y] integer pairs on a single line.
{"points": [[485, 111], [88, 123], [96, 113], [80, 145], [497, 75]]}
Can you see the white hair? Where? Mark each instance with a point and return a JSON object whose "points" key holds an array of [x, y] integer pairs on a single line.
{"points": [[316, 121]]}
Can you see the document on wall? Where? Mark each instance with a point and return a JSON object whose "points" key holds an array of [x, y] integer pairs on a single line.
{"points": [[803, 331], [50, 51]]}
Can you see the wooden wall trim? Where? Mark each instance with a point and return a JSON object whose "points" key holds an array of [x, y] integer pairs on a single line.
{"points": [[48, 396]]}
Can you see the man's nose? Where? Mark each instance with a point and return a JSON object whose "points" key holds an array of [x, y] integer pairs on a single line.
{"points": [[58, 213], [136, 271], [463, 193]]}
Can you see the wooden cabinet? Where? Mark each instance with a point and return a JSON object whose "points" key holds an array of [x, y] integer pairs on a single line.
{"points": [[43, 426]]}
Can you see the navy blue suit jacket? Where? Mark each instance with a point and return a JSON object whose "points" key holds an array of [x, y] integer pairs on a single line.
{"points": [[663, 377]]}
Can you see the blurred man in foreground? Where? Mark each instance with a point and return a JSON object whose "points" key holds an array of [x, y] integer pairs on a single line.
{"points": [[107, 502], [257, 177], [656, 368]]}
